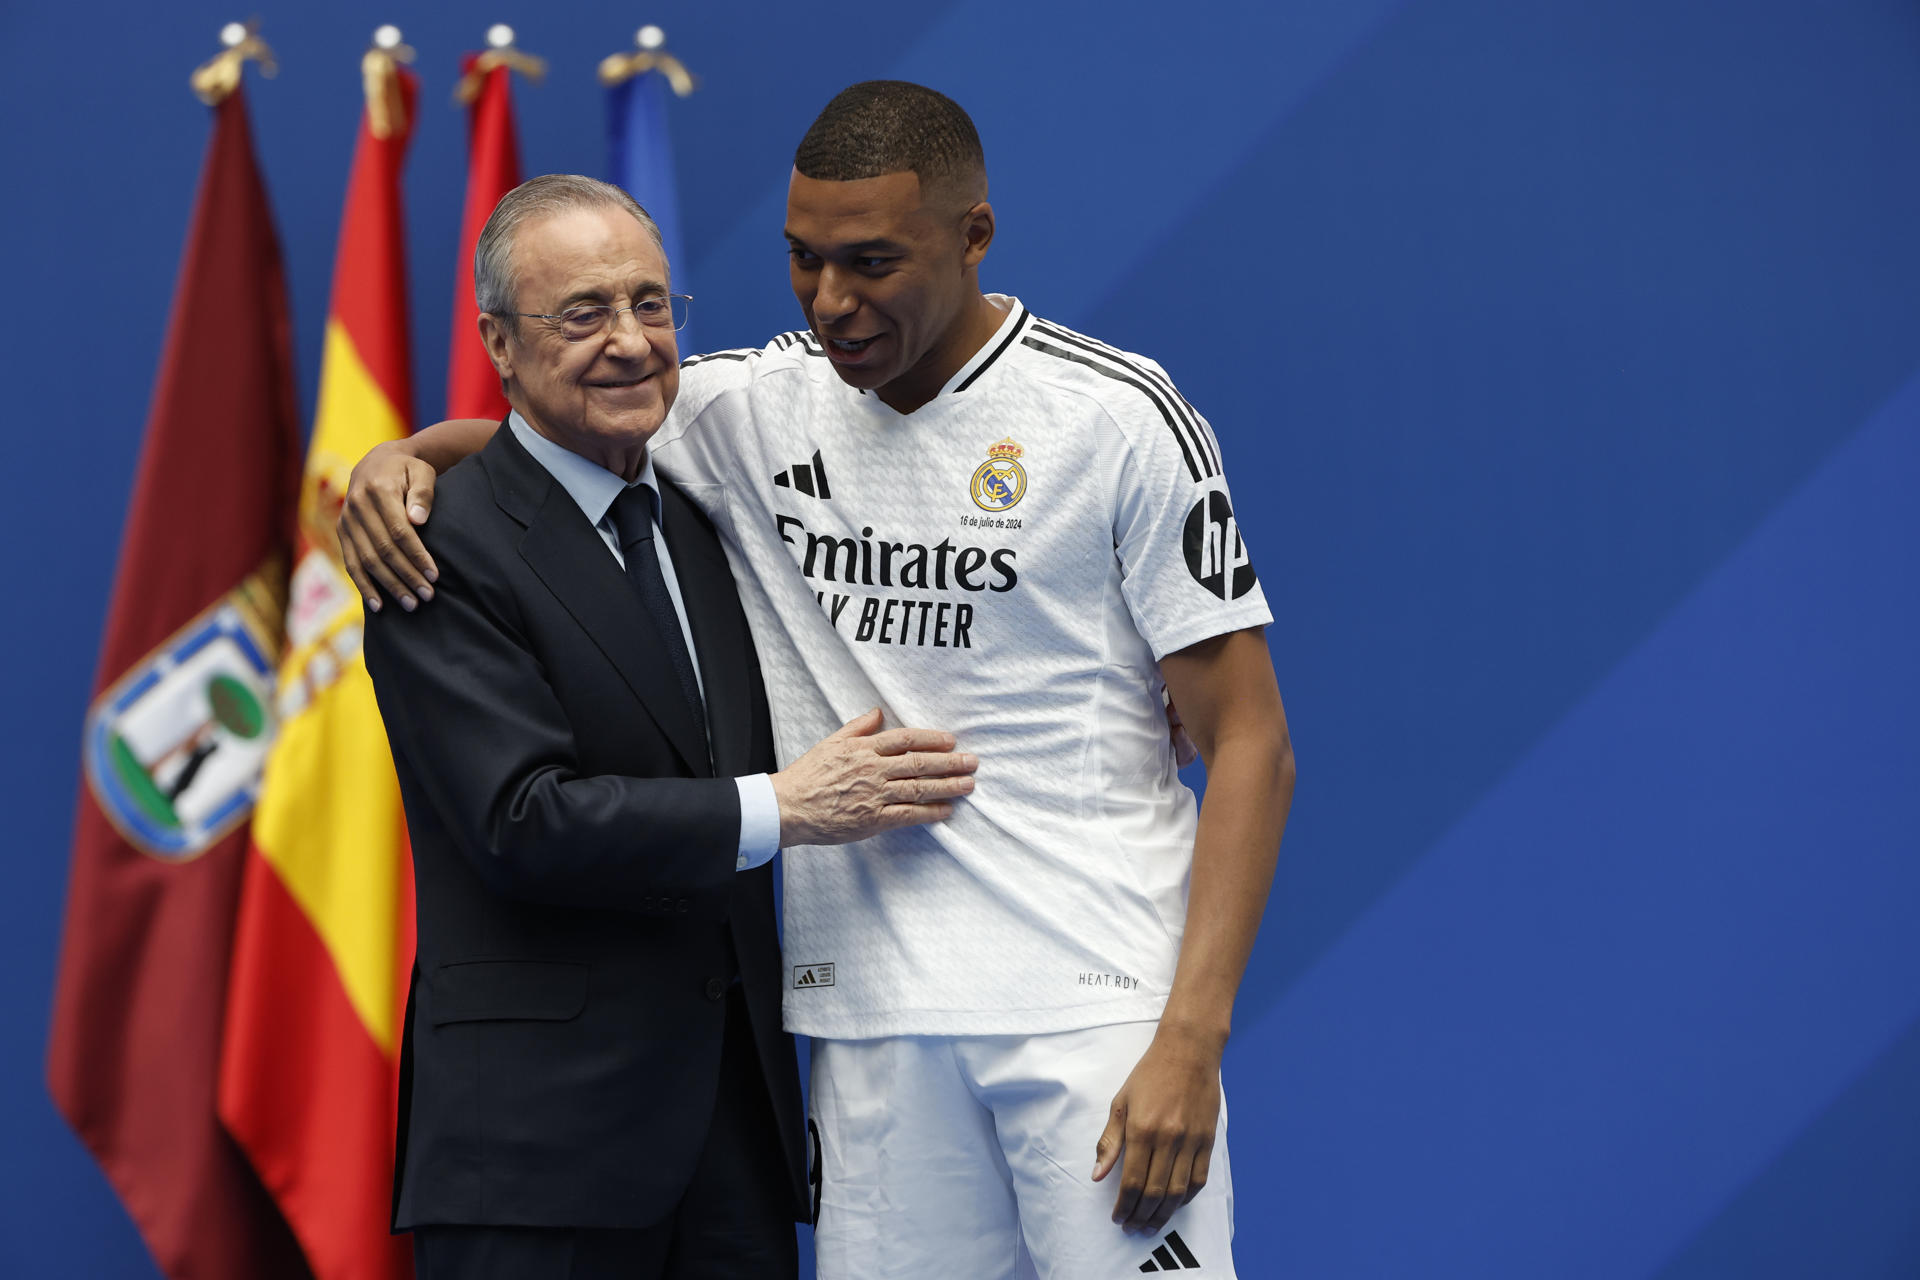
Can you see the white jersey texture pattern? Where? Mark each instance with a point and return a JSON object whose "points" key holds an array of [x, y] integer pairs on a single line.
{"points": [[1007, 562]]}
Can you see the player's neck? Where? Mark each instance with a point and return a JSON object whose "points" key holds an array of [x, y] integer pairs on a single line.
{"points": [[970, 331]]}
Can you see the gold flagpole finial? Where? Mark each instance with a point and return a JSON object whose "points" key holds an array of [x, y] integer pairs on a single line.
{"points": [[215, 79], [650, 56], [386, 110], [500, 53]]}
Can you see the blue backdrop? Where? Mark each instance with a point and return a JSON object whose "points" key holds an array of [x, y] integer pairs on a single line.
{"points": [[1566, 362]]}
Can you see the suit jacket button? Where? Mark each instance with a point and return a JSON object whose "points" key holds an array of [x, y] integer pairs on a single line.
{"points": [[716, 988]]}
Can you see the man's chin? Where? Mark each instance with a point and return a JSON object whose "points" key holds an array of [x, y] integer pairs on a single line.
{"points": [[630, 422]]}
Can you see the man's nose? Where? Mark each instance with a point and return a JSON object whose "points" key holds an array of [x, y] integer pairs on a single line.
{"points": [[627, 338], [834, 298]]}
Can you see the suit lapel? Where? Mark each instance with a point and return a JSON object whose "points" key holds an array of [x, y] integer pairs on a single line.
{"points": [[569, 557], [725, 651]]}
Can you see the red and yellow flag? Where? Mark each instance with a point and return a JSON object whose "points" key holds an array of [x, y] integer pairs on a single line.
{"points": [[493, 169], [324, 943], [180, 723]]}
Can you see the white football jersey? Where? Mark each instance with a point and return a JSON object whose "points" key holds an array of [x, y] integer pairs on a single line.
{"points": [[1007, 562]]}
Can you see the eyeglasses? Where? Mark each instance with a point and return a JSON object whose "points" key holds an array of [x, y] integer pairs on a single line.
{"points": [[577, 324]]}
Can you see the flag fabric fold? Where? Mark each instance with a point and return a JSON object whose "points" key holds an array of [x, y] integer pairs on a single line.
{"points": [[640, 161], [173, 745], [324, 942], [493, 169]]}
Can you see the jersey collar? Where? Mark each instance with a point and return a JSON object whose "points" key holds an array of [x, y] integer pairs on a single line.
{"points": [[1011, 327], [996, 346]]}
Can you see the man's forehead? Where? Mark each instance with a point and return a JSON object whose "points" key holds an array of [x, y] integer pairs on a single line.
{"points": [[583, 254], [852, 209]]}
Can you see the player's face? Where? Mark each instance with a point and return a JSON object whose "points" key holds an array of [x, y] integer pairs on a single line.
{"points": [[602, 397], [884, 278]]}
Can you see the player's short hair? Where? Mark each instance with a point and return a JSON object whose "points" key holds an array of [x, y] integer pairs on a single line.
{"points": [[495, 283], [878, 127]]}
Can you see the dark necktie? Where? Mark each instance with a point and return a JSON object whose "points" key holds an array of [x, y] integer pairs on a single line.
{"points": [[633, 522]]}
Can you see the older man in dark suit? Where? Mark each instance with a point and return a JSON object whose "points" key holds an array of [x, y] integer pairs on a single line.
{"points": [[597, 1081]]}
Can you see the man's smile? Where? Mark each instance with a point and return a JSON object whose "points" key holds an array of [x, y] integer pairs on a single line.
{"points": [[849, 350]]}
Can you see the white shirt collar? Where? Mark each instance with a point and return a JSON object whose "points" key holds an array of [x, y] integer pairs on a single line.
{"points": [[995, 347], [991, 351], [592, 487]]}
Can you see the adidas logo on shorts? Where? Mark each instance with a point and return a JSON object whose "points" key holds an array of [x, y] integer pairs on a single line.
{"points": [[1171, 1254], [812, 975]]}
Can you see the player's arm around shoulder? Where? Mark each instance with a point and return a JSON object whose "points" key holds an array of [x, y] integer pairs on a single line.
{"points": [[389, 495], [391, 491]]}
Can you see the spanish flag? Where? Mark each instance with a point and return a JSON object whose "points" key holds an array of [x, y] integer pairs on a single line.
{"points": [[180, 724], [324, 943]]}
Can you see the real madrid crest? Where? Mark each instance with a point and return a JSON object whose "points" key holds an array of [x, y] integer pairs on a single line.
{"points": [[1001, 481]]}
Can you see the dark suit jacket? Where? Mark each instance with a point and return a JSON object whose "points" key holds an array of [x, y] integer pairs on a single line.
{"points": [[574, 859]]}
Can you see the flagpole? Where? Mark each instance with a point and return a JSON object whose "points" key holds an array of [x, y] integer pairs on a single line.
{"points": [[215, 79], [380, 77], [650, 55], [500, 52]]}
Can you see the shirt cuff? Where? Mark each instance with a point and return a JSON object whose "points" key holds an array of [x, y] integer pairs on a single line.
{"points": [[759, 822]]}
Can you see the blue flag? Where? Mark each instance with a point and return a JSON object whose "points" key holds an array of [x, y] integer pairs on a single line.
{"points": [[640, 160]]}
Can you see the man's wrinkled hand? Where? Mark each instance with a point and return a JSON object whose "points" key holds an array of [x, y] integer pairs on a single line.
{"points": [[861, 780], [1163, 1120], [388, 494]]}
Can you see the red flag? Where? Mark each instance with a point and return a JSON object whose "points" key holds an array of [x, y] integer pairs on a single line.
{"points": [[493, 169], [181, 719], [325, 939]]}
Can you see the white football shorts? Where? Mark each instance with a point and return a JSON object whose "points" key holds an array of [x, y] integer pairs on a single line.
{"points": [[972, 1156]]}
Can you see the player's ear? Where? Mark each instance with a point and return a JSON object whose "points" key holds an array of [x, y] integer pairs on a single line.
{"points": [[977, 227]]}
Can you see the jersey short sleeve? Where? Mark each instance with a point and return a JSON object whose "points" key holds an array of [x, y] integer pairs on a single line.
{"points": [[685, 450], [1187, 574]]}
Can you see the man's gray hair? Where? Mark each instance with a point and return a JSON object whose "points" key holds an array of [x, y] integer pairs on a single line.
{"points": [[494, 282]]}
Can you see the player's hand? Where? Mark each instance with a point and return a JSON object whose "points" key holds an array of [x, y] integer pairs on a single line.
{"points": [[388, 494], [1163, 1120], [1184, 752], [860, 780]]}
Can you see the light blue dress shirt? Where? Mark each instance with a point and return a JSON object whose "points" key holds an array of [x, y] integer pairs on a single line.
{"points": [[594, 488]]}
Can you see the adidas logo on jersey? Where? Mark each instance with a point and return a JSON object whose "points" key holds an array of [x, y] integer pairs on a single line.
{"points": [[810, 479], [1171, 1254], [812, 975]]}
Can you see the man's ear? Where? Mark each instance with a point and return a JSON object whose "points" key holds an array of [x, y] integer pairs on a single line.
{"points": [[493, 333], [977, 227]]}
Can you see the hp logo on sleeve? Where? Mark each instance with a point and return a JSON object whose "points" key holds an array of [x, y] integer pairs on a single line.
{"points": [[1216, 557]]}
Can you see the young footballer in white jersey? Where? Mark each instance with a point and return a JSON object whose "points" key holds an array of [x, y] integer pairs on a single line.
{"points": [[941, 505]]}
